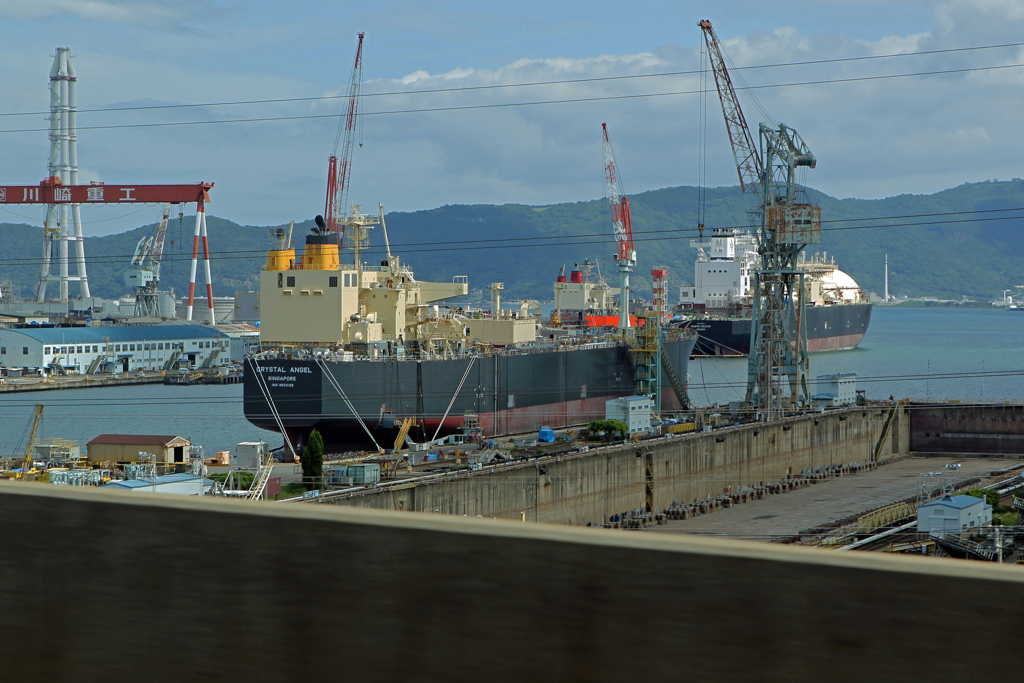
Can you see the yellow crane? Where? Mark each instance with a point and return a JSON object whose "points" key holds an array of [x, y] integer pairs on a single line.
{"points": [[26, 464]]}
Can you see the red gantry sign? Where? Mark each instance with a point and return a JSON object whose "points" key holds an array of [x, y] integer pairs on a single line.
{"points": [[50, 191]]}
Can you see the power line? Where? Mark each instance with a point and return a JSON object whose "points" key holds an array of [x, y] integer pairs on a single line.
{"points": [[567, 81], [585, 238], [470, 107]]}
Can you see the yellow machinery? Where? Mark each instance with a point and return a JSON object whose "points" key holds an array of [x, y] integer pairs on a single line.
{"points": [[403, 432], [26, 464]]}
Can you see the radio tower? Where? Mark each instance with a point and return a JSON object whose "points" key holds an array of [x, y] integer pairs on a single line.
{"points": [[338, 175], [625, 256], [63, 170]]}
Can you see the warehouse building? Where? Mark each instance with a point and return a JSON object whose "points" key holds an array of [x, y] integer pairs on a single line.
{"points": [[90, 350], [122, 448], [953, 514]]}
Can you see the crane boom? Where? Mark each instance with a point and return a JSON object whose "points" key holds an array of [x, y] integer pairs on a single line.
{"points": [[340, 170], [744, 150], [26, 464], [622, 228], [157, 253]]}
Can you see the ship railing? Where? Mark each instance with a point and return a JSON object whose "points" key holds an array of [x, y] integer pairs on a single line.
{"points": [[336, 355]]}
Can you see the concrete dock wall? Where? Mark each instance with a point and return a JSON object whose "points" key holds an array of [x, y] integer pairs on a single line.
{"points": [[102, 586], [975, 429], [590, 487]]}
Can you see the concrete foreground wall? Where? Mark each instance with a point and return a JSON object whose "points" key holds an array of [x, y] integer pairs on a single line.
{"points": [[98, 586], [590, 487]]}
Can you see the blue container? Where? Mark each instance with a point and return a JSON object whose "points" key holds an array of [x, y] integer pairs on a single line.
{"points": [[546, 435]]}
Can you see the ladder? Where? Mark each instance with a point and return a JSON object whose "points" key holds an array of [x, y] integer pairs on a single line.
{"points": [[208, 363], [95, 364], [172, 360], [885, 430], [259, 483], [403, 432], [673, 379]]}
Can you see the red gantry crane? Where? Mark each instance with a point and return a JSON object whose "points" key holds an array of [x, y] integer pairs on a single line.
{"points": [[52, 191], [338, 173], [625, 256]]}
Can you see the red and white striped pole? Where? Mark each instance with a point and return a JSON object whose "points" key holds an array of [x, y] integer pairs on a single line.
{"points": [[200, 214], [209, 280]]}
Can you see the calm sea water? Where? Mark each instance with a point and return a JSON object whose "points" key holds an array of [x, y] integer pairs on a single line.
{"points": [[916, 353], [210, 416], [922, 353]]}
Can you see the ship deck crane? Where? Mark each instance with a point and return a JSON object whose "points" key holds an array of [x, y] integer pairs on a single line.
{"points": [[786, 222], [340, 170], [622, 228]]}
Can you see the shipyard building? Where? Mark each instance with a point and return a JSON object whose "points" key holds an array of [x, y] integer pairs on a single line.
{"points": [[113, 349]]}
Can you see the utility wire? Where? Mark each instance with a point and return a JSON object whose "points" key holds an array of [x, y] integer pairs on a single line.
{"points": [[585, 238], [470, 107], [568, 81]]}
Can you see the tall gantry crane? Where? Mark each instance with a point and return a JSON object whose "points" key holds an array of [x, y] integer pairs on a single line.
{"points": [[144, 275], [786, 222], [622, 228], [339, 171]]}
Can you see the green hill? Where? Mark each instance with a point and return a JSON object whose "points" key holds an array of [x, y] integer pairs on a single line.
{"points": [[961, 241]]}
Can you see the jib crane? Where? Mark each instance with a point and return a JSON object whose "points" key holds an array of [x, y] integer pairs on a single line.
{"points": [[339, 171], [786, 222], [622, 228], [144, 275], [26, 463]]}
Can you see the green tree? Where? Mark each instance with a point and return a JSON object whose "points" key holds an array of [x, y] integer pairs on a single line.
{"points": [[991, 497], [609, 427], [312, 460]]}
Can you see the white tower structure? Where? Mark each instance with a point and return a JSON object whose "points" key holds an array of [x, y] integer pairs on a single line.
{"points": [[63, 221], [886, 277]]}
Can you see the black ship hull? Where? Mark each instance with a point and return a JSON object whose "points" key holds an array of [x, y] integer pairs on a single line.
{"points": [[512, 393], [829, 328]]}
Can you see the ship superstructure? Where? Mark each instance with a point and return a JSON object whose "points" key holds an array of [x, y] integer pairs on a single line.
{"points": [[352, 350], [719, 300]]}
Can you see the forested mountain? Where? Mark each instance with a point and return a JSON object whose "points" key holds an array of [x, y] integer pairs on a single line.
{"points": [[968, 240]]}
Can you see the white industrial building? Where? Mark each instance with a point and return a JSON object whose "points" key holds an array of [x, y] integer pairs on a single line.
{"points": [[113, 348], [177, 484], [839, 389], [635, 411], [953, 514]]}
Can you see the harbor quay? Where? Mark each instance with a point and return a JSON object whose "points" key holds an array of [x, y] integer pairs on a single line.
{"points": [[590, 487]]}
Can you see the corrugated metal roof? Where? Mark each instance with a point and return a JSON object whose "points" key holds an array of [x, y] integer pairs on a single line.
{"points": [[958, 502], [134, 439], [162, 479], [98, 335]]}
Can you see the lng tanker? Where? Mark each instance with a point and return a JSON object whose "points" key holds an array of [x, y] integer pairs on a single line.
{"points": [[351, 350], [718, 304]]}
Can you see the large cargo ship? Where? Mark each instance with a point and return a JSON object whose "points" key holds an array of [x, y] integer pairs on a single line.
{"points": [[351, 350], [718, 304]]}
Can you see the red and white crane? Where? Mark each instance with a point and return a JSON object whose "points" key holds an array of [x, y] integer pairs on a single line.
{"points": [[53, 191], [339, 171], [622, 228]]}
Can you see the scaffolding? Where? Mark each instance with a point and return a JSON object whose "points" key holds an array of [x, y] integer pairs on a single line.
{"points": [[646, 354], [660, 293]]}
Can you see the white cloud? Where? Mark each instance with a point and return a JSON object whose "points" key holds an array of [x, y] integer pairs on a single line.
{"points": [[147, 14], [872, 138]]}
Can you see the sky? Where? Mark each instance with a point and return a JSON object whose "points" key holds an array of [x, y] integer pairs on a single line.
{"points": [[430, 135]]}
